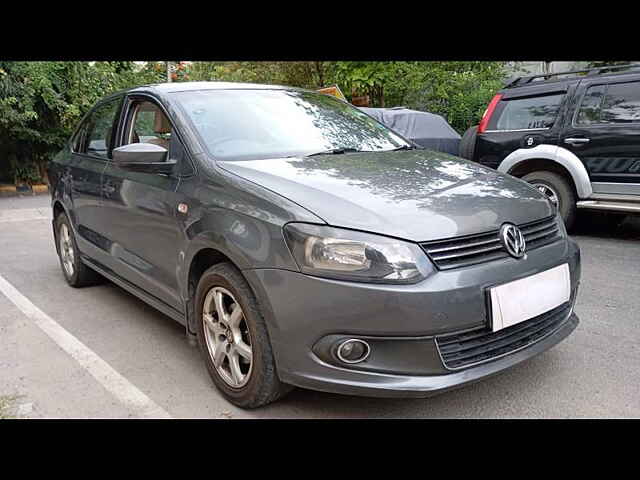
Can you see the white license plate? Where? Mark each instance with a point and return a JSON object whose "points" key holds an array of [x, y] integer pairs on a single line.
{"points": [[520, 300]]}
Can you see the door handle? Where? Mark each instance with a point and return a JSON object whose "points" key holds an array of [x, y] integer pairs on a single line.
{"points": [[576, 141]]}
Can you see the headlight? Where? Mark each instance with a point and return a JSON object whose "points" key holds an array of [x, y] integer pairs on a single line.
{"points": [[349, 255]]}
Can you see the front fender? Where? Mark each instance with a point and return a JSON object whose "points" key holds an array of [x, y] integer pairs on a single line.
{"points": [[557, 154], [247, 241]]}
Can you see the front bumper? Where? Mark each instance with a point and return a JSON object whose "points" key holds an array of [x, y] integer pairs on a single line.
{"points": [[305, 315]]}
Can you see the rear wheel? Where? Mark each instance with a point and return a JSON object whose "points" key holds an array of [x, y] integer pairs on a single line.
{"points": [[468, 143], [233, 339], [76, 273], [558, 190]]}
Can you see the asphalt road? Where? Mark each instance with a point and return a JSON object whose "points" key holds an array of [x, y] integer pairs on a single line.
{"points": [[593, 373]]}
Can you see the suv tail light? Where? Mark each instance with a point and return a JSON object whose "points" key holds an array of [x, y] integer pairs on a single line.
{"points": [[488, 112]]}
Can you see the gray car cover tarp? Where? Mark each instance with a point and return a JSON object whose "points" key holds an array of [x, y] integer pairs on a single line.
{"points": [[426, 129]]}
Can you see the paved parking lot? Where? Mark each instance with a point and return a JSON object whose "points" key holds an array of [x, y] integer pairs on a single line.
{"points": [[593, 373]]}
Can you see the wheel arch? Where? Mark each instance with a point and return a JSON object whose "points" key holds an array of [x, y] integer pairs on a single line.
{"points": [[552, 158], [58, 207], [201, 258]]}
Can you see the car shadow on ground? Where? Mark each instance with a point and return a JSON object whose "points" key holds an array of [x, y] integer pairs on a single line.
{"points": [[594, 224]]}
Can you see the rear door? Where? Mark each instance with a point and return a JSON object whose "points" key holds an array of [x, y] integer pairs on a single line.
{"points": [[92, 149], [524, 117], [604, 132]]}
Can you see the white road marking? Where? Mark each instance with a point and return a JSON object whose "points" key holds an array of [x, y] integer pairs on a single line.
{"points": [[116, 384], [25, 409]]}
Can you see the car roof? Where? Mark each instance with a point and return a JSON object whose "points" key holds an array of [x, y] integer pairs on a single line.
{"points": [[195, 86], [560, 80]]}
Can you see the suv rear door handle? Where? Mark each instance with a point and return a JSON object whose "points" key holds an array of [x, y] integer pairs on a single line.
{"points": [[576, 141]]}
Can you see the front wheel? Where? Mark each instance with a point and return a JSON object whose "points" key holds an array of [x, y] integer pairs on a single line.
{"points": [[233, 339], [558, 190]]}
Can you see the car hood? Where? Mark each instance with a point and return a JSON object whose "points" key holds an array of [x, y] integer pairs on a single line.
{"points": [[419, 195]]}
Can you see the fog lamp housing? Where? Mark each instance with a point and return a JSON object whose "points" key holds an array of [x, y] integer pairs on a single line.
{"points": [[353, 350]]}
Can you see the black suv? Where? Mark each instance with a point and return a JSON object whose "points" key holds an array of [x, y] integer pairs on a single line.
{"points": [[574, 135]]}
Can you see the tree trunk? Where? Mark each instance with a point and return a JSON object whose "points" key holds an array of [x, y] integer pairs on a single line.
{"points": [[320, 72]]}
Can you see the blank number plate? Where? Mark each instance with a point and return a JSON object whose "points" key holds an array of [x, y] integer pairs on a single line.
{"points": [[520, 300]]}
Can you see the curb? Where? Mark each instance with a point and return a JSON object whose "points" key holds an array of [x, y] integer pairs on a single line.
{"points": [[12, 191]]}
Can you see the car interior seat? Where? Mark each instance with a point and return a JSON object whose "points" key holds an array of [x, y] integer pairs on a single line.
{"points": [[161, 126]]}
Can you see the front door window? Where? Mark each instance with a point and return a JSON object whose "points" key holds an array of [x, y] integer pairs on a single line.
{"points": [[149, 125]]}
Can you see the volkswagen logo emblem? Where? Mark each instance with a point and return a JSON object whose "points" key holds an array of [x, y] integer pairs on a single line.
{"points": [[513, 240]]}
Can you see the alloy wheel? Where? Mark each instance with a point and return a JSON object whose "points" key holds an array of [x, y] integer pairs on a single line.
{"points": [[227, 337], [548, 192], [66, 250]]}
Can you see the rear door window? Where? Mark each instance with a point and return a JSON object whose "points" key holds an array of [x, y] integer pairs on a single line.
{"points": [[621, 103], [101, 128], [610, 104], [589, 112], [529, 113]]}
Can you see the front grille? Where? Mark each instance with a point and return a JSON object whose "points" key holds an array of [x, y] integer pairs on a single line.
{"points": [[472, 249], [476, 346]]}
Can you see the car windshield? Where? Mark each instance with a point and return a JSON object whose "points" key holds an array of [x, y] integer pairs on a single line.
{"points": [[262, 124]]}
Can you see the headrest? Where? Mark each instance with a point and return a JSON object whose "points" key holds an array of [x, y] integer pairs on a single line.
{"points": [[161, 123]]}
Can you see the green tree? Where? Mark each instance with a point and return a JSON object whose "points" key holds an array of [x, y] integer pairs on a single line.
{"points": [[41, 102], [298, 74], [459, 91]]}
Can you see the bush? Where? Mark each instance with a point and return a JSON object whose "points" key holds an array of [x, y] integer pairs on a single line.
{"points": [[41, 102]]}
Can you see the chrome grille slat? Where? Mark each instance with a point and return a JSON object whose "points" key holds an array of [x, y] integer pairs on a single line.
{"points": [[485, 247], [526, 232], [540, 235], [465, 254], [449, 265], [458, 247]]}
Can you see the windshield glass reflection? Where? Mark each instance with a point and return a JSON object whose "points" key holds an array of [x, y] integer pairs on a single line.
{"points": [[261, 124]]}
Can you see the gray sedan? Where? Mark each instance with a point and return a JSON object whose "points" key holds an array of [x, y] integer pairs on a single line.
{"points": [[303, 243]]}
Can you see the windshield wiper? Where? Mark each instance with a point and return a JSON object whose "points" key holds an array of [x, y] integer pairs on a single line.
{"points": [[335, 151]]}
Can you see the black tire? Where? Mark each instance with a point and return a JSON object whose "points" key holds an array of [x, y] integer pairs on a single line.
{"points": [[264, 385], [82, 275], [563, 189], [467, 146]]}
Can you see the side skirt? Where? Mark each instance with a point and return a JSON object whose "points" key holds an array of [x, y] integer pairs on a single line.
{"points": [[141, 294]]}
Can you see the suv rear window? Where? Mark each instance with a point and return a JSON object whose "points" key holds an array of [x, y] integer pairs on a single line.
{"points": [[528, 113], [615, 103]]}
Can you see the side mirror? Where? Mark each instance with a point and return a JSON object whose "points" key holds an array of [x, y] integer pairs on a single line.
{"points": [[143, 157]]}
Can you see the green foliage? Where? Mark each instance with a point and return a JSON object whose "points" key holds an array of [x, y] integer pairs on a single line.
{"points": [[459, 91], [311, 75], [41, 102]]}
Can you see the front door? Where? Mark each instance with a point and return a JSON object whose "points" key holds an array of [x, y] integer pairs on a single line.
{"points": [[604, 133], [142, 208]]}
